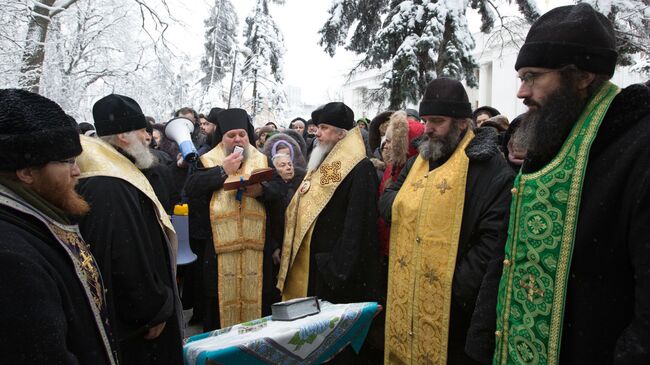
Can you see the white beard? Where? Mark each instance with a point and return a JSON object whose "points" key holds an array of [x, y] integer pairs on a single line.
{"points": [[144, 159], [318, 154]]}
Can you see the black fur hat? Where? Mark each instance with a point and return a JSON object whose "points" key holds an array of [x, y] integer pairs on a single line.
{"points": [[575, 34], [85, 127], [446, 97], [34, 130], [336, 114], [115, 114]]}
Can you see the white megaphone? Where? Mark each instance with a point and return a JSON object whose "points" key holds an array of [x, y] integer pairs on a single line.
{"points": [[180, 131]]}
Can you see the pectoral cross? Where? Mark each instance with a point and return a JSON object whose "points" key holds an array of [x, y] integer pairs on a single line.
{"points": [[531, 285], [443, 186], [86, 260]]}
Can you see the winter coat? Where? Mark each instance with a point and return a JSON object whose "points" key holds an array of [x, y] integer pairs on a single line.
{"points": [[45, 314], [129, 245], [404, 133]]}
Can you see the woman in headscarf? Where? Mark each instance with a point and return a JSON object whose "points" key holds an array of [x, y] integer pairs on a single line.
{"points": [[289, 164]]}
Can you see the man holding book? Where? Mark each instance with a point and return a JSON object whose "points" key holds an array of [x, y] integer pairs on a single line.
{"points": [[237, 219]]}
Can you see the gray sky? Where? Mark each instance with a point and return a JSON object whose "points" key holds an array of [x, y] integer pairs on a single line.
{"points": [[306, 65]]}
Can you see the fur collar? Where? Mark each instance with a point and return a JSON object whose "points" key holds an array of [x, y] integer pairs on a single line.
{"points": [[484, 146], [630, 108], [399, 139]]}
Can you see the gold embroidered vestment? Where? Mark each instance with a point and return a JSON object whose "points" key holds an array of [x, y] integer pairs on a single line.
{"points": [[426, 222], [314, 193], [238, 232]]}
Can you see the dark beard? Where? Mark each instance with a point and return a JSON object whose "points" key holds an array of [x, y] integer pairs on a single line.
{"points": [[542, 131], [438, 148]]}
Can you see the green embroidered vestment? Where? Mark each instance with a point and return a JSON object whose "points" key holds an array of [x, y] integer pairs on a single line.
{"points": [[541, 232]]}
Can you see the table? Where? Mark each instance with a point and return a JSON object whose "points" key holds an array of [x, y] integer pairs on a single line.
{"points": [[310, 340]]}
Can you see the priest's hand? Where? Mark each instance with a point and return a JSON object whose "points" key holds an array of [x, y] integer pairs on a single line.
{"points": [[232, 162], [253, 191], [155, 331]]}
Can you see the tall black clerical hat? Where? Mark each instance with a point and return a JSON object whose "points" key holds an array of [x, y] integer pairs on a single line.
{"points": [[336, 114], [230, 119], [446, 97], [235, 118], [115, 114], [570, 35], [34, 130], [212, 115]]}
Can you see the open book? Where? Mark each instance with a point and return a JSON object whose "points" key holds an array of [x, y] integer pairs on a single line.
{"points": [[257, 176]]}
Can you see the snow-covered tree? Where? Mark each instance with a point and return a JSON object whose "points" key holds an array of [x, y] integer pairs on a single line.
{"points": [[36, 17], [631, 19], [263, 66], [90, 51], [33, 54], [12, 22], [86, 44], [411, 41], [220, 42]]}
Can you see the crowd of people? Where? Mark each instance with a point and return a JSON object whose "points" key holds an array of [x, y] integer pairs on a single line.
{"points": [[485, 240]]}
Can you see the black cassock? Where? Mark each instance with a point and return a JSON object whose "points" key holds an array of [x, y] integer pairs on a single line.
{"points": [[344, 250], [44, 311], [133, 256]]}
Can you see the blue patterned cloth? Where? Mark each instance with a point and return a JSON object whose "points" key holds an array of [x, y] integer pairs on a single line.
{"points": [[310, 340]]}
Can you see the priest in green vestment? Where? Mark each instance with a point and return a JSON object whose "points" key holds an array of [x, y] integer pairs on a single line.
{"points": [[575, 285]]}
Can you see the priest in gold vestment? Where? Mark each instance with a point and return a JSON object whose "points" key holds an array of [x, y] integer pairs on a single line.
{"points": [[330, 246], [237, 221], [447, 211]]}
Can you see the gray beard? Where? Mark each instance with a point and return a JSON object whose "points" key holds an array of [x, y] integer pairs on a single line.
{"points": [[434, 149], [143, 157], [318, 154]]}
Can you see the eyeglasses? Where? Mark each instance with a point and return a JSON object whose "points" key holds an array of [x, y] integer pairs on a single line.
{"points": [[69, 161], [528, 78]]}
